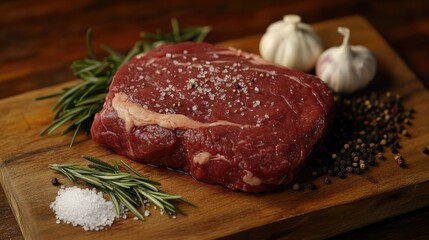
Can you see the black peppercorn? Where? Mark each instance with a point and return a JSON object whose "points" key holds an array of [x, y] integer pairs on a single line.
{"points": [[55, 181], [396, 144], [399, 160], [327, 181], [336, 169], [366, 124], [425, 150]]}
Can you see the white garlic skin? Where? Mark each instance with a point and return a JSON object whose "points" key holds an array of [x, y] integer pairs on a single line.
{"points": [[291, 43], [346, 68]]}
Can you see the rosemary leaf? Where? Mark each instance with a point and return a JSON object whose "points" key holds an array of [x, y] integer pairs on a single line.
{"points": [[75, 134], [89, 68], [93, 99], [108, 186], [69, 128], [176, 30], [98, 161], [100, 167], [122, 192], [115, 56], [115, 202], [147, 185], [130, 207], [114, 176], [134, 51], [89, 44], [139, 174], [151, 198], [48, 96], [139, 197], [116, 166], [56, 124], [166, 196], [69, 176]]}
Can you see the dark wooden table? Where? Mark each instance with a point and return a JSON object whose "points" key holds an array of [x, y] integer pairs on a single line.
{"points": [[39, 40]]}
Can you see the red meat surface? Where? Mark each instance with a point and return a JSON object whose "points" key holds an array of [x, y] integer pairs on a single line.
{"points": [[224, 116]]}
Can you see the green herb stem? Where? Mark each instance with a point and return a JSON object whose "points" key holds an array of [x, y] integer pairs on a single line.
{"points": [[131, 188]]}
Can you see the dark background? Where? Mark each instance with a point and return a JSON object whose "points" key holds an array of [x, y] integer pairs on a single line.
{"points": [[39, 40]]}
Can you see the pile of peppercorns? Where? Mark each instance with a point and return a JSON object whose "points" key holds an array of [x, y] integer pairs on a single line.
{"points": [[364, 127]]}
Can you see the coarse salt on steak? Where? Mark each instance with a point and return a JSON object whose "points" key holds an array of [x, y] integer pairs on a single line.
{"points": [[225, 116]]}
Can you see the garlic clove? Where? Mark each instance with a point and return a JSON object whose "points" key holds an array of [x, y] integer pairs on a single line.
{"points": [[346, 68], [291, 43]]}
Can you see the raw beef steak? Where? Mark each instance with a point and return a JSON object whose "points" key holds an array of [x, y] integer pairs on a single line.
{"points": [[225, 116]]}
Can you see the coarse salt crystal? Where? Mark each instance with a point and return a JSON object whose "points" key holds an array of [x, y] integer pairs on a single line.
{"points": [[83, 207], [256, 103]]}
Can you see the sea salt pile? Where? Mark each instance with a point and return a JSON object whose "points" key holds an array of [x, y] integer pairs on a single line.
{"points": [[84, 207]]}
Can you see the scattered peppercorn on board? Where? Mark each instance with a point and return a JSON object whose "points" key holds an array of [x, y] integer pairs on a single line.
{"points": [[384, 191]]}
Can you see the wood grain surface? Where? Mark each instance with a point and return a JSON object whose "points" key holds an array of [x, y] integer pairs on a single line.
{"points": [[39, 39], [383, 192]]}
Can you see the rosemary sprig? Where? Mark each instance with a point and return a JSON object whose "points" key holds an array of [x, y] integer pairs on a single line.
{"points": [[131, 189], [77, 105]]}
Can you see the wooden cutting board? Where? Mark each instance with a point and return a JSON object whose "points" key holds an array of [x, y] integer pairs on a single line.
{"points": [[385, 191]]}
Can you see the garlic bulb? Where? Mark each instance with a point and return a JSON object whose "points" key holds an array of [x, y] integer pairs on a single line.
{"points": [[346, 68], [291, 43]]}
